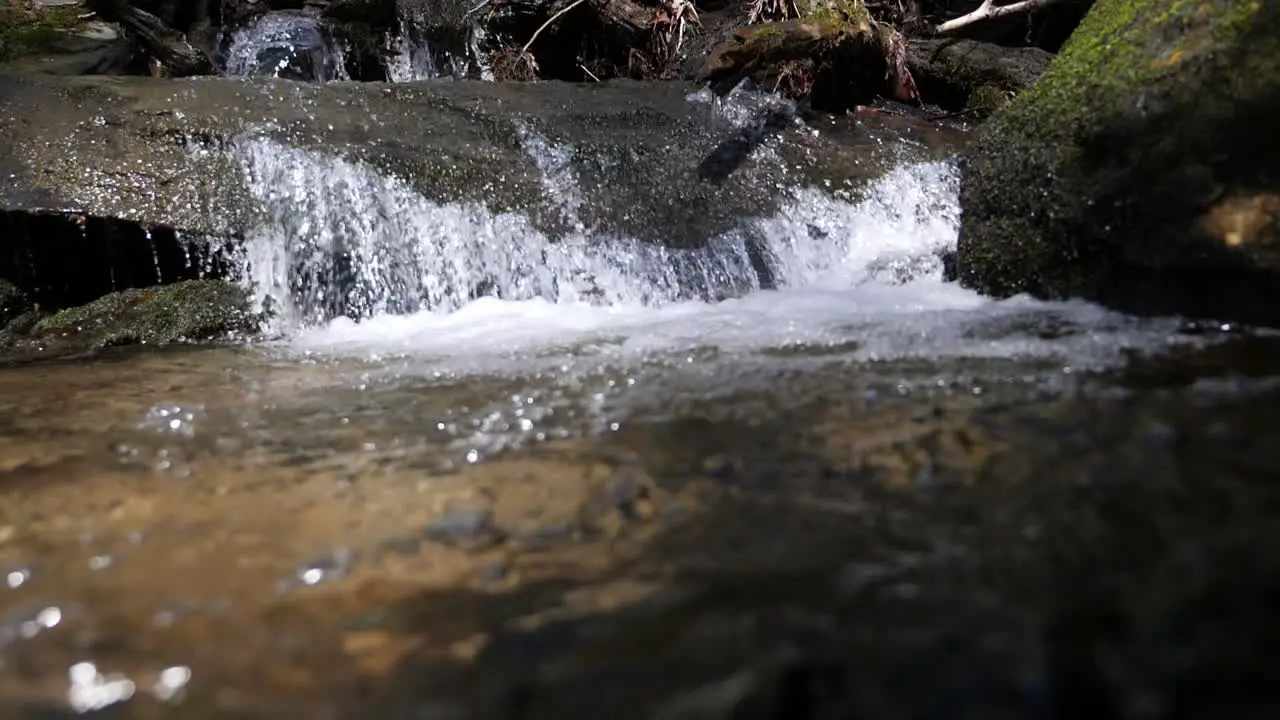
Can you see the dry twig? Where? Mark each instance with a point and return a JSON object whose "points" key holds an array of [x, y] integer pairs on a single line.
{"points": [[988, 10], [550, 20], [772, 10], [675, 17], [521, 65]]}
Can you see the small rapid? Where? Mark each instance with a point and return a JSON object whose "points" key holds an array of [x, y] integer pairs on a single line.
{"points": [[355, 262]]}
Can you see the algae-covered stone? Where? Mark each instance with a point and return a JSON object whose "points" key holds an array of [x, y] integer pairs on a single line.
{"points": [[13, 302], [29, 31], [1143, 170], [186, 311]]}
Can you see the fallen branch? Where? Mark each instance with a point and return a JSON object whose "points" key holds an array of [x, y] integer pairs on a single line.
{"points": [[550, 20], [988, 10], [166, 45]]}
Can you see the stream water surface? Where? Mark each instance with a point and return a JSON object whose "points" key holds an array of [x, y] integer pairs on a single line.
{"points": [[788, 474]]}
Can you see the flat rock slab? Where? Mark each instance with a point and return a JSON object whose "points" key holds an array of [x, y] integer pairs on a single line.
{"points": [[161, 152]]}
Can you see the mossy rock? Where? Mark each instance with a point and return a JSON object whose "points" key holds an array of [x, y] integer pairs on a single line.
{"points": [[1142, 170], [839, 42], [24, 32], [987, 99], [183, 312], [959, 74]]}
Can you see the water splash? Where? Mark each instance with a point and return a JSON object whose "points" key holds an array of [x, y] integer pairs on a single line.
{"points": [[285, 44]]}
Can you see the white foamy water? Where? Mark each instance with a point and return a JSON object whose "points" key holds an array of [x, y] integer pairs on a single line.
{"points": [[469, 289], [285, 44]]}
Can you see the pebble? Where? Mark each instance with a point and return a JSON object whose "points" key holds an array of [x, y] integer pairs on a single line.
{"points": [[494, 572], [466, 526]]}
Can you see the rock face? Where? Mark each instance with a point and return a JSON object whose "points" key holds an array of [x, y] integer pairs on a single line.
{"points": [[1141, 171], [160, 152]]}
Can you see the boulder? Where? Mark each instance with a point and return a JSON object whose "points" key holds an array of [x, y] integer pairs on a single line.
{"points": [[1141, 170], [973, 75]]}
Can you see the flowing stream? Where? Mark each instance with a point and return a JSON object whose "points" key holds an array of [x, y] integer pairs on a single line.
{"points": [[467, 435]]}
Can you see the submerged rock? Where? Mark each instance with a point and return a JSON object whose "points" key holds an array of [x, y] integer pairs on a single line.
{"points": [[1140, 171], [187, 311]]}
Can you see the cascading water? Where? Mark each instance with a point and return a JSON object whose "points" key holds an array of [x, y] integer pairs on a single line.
{"points": [[285, 44], [410, 56], [392, 252], [340, 238]]}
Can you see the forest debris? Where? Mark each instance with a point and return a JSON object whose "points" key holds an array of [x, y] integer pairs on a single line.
{"points": [[515, 65], [901, 83], [521, 65], [166, 45], [669, 24], [772, 10], [835, 40], [759, 47]]}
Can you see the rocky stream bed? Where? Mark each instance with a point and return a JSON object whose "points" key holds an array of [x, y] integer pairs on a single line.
{"points": [[369, 359]]}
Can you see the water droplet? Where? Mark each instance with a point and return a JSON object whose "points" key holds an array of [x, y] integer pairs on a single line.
{"points": [[17, 578], [91, 690], [172, 419], [49, 617], [171, 682], [330, 568]]}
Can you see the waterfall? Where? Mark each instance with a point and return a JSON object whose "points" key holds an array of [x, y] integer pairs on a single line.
{"points": [[409, 54], [285, 44], [338, 237]]}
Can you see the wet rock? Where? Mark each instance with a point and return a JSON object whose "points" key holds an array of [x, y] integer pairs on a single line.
{"points": [[628, 493], [1139, 171], [171, 152], [466, 527], [959, 74], [548, 534], [188, 311], [494, 573]]}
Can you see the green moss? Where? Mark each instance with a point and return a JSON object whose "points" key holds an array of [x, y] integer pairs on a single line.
{"points": [[987, 98], [1102, 170], [851, 13], [186, 311], [24, 32], [1120, 49]]}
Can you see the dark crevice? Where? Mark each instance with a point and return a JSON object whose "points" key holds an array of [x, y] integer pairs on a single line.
{"points": [[110, 255]]}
